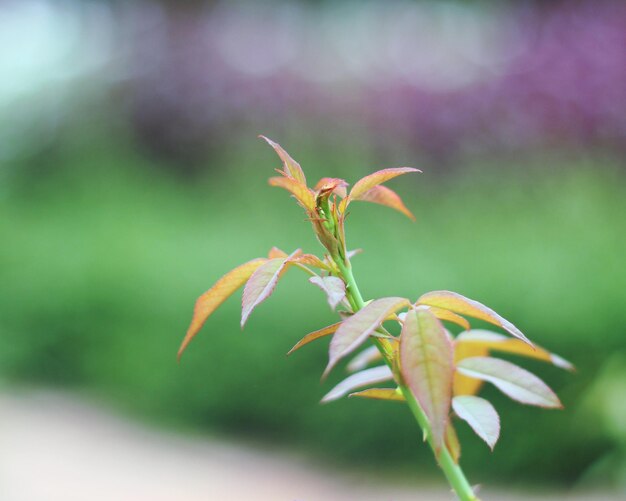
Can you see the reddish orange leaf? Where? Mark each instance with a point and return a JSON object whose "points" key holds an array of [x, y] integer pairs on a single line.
{"points": [[380, 394], [339, 185], [303, 259], [368, 182], [358, 380], [262, 283], [465, 306], [312, 260], [312, 336], [427, 367], [302, 194], [356, 329], [276, 252], [290, 166], [494, 341], [385, 196], [208, 302]]}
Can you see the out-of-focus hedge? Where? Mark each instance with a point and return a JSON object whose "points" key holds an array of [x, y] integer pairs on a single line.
{"points": [[102, 259]]}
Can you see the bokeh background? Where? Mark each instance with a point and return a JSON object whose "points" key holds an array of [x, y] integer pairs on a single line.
{"points": [[131, 178]]}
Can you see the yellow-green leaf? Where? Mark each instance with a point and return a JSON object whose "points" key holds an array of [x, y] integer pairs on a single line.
{"points": [[380, 394], [442, 314], [427, 367], [464, 306], [452, 442], [290, 166], [208, 302], [464, 385], [302, 194], [356, 329], [312, 336], [385, 196], [497, 342], [262, 283]]}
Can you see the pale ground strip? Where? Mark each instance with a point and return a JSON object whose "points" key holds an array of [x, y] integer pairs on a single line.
{"points": [[54, 447]]}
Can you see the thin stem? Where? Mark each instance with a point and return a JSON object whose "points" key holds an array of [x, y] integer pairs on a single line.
{"points": [[453, 472]]}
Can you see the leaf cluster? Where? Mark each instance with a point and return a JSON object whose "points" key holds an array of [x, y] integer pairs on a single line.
{"points": [[442, 372]]}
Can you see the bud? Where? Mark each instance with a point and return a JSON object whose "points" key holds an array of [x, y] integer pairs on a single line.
{"points": [[327, 220]]}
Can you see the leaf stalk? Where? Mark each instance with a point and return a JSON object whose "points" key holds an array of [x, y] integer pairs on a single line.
{"points": [[453, 472]]}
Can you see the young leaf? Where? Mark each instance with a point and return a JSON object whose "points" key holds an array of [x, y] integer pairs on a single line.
{"points": [[208, 302], [494, 341], [390, 346], [480, 415], [350, 254], [427, 367], [363, 378], [464, 306], [339, 185], [333, 287], [452, 442], [442, 314], [261, 284], [384, 196], [464, 385], [356, 329], [380, 394], [312, 260], [312, 336], [365, 184], [517, 383], [290, 166], [276, 252], [363, 359], [302, 194]]}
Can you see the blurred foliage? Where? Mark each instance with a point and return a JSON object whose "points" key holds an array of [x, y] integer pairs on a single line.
{"points": [[104, 254], [606, 405]]}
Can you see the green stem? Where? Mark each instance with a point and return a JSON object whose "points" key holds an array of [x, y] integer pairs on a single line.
{"points": [[453, 472]]}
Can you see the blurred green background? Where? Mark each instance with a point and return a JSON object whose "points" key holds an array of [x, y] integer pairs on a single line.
{"points": [[131, 179]]}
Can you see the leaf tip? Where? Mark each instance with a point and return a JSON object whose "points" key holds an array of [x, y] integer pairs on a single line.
{"points": [[329, 367], [562, 363], [183, 346]]}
